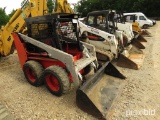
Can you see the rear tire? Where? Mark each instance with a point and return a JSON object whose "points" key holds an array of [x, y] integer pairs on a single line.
{"points": [[32, 71], [57, 80]]}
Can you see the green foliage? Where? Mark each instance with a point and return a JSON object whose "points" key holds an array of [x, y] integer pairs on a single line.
{"points": [[148, 7], [50, 5], [3, 16], [12, 13]]}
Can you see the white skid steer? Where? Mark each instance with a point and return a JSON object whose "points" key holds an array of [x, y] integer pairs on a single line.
{"points": [[131, 30], [100, 31]]}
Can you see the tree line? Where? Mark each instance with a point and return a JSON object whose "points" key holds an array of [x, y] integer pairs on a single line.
{"points": [[4, 18], [150, 8]]}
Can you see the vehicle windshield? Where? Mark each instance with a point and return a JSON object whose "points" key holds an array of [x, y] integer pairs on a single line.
{"points": [[145, 16]]}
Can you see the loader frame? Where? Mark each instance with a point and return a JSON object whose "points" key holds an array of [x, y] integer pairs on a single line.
{"points": [[54, 55]]}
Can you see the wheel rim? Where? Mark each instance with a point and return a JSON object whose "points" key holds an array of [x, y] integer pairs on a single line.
{"points": [[52, 82], [31, 75]]}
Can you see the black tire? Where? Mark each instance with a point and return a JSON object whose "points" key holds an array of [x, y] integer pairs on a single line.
{"points": [[56, 80], [145, 26], [33, 71]]}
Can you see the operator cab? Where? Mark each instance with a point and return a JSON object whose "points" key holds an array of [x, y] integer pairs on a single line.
{"points": [[103, 20], [57, 30]]}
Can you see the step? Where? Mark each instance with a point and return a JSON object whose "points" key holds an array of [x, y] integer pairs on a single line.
{"points": [[83, 62]]}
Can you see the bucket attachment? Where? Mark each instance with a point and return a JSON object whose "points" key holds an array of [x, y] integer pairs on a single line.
{"points": [[141, 38], [98, 94], [131, 58], [140, 42], [145, 33]]}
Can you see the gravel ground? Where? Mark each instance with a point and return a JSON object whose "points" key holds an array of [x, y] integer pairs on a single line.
{"points": [[139, 99]]}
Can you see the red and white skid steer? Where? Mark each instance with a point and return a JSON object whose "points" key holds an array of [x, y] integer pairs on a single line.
{"points": [[55, 57]]}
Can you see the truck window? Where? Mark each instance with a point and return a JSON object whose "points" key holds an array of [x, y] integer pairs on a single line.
{"points": [[142, 18], [127, 18], [132, 17]]}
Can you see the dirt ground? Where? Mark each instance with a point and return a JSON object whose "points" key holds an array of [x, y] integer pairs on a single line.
{"points": [[140, 98]]}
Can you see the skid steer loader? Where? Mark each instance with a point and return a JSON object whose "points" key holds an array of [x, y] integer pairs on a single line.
{"points": [[53, 54], [100, 30], [136, 39]]}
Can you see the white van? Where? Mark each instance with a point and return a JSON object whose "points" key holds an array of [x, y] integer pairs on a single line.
{"points": [[143, 21]]}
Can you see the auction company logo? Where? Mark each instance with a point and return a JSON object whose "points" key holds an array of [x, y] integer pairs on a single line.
{"points": [[136, 113]]}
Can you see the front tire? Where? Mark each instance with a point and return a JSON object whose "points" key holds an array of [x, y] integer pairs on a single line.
{"points": [[57, 80]]}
